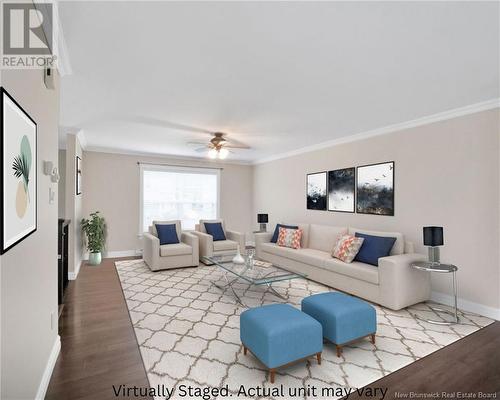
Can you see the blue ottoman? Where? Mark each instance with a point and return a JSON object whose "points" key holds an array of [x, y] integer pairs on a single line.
{"points": [[344, 318], [279, 334]]}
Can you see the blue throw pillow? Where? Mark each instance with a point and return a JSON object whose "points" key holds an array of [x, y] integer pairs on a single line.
{"points": [[276, 233], [167, 234], [373, 248], [215, 230]]}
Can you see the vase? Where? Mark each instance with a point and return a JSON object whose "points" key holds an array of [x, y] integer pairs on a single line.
{"points": [[238, 259], [95, 258]]}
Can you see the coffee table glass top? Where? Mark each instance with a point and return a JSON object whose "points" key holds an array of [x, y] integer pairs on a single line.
{"points": [[257, 274]]}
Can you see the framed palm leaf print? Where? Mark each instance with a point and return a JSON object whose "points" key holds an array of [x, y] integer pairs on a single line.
{"points": [[18, 172]]}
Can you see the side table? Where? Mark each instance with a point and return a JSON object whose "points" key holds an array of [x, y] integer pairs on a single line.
{"points": [[441, 268]]}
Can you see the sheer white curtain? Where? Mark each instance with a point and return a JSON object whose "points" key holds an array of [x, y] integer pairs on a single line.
{"points": [[184, 193]]}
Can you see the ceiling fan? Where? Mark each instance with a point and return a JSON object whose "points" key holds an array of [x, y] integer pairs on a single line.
{"points": [[218, 146]]}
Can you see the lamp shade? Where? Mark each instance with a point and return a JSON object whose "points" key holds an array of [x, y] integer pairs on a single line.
{"points": [[433, 236], [262, 218]]}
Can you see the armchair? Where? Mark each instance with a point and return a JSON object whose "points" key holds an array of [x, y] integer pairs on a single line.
{"points": [[209, 247], [169, 256]]}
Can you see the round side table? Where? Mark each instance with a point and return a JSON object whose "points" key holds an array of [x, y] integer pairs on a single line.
{"points": [[441, 268]]}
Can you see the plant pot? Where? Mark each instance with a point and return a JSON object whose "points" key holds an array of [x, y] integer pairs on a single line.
{"points": [[95, 258]]}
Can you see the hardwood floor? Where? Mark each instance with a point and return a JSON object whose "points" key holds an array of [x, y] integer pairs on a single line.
{"points": [[99, 350], [98, 344], [471, 364]]}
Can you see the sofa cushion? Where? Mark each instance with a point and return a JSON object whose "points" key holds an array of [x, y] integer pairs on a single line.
{"points": [[225, 245], [178, 249], [399, 245], [373, 248], [307, 256], [215, 230], [347, 247], [289, 238], [167, 234], [178, 229], [276, 233], [304, 242], [201, 225], [324, 237], [357, 270]]}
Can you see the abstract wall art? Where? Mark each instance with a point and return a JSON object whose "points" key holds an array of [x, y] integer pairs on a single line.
{"points": [[375, 189], [341, 188], [18, 172], [316, 191]]}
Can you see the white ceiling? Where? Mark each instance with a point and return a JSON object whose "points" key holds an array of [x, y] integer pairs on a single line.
{"points": [[278, 76]]}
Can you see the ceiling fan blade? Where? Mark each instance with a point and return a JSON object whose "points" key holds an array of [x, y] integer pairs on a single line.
{"points": [[235, 143], [197, 144], [235, 146], [201, 149]]}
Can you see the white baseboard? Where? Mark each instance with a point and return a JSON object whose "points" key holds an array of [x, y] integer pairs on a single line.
{"points": [[72, 275], [467, 305], [116, 254], [49, 367], [123, 253]]}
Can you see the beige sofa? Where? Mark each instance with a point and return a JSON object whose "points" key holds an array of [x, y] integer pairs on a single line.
{"points": [[393, 284], [168, 256], [209, 247]]}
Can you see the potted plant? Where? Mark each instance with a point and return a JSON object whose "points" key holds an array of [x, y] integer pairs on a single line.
{"points": [[95, 233]]}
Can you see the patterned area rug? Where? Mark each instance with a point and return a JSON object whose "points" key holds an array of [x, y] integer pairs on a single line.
{"points": [[188, 333]]}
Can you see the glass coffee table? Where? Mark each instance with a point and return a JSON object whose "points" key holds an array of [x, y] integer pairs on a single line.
{"points": [[260, 274]]}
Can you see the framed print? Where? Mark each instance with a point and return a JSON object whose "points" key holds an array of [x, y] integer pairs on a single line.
{"points": [[375, 189], [341, 188], [78, 179], [316, 191], [18, 172]]}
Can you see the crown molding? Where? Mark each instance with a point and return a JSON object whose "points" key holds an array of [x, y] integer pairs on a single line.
{"points": [[442, 116], [172, 157], [82, 139]]}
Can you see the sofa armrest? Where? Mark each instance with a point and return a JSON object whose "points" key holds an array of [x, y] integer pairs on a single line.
{"points": [[238, 237], [409, 247], [206, 244], [260, 238], [192, 240], [151, 252], [400, 284]]}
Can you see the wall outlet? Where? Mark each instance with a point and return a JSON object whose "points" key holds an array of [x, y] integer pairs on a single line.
{"points": [[52, 195]]}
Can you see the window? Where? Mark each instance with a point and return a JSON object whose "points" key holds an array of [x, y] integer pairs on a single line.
{"points": [[187, 194]]}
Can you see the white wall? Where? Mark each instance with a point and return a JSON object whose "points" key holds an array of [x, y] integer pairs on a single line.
{"points": [[446, 174], [74, 205], [111, 185], [62, 184], [29, 270]]}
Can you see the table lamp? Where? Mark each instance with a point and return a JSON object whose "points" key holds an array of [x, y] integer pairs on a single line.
{"points": [[262, 219], [433, 237]]}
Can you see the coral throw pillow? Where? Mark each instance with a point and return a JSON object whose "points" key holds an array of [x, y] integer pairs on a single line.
{"points": [[289, 238], [347, 247]]}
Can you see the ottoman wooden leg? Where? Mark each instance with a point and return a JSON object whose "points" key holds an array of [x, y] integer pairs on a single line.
{"points": [[372, 338], [245, 350], [318, 357], [271, 375], [339, 350]]}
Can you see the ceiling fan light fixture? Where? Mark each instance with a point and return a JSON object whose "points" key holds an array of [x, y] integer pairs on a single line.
{"points": [[212, 153], [223, 153]]}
